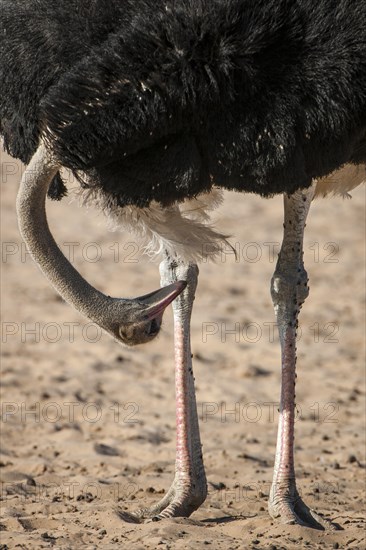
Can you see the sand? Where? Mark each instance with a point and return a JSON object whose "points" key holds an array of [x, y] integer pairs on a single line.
{"points": [[88, 426]]}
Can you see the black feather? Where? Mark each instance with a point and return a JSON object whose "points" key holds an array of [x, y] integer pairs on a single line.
{"points": [[57, 190], [162, 99]]}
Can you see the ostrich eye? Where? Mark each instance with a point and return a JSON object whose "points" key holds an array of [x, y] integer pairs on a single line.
{"points": [[122, 333], [153, 328]]}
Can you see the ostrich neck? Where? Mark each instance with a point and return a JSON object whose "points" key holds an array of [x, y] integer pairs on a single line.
{"points": [[35, 231]]}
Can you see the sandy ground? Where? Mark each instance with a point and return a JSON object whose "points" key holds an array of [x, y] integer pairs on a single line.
{"points": [[88, 427]]}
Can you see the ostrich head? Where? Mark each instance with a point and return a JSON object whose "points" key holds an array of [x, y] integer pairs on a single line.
{"points": [[138, 321], [129, 321]]}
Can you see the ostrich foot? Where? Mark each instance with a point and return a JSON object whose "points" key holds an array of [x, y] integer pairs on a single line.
{"points": [[294, 511], [189, 489], [180, 501]]}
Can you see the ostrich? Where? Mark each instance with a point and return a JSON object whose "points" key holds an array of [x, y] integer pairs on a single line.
{"points": [[156, 106]]}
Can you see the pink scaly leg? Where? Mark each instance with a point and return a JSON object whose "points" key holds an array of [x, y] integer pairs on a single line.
{"points": [[289, 289], [189, 488]]}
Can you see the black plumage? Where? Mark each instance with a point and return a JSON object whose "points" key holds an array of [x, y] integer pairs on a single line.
{"points": [[161, 100]]}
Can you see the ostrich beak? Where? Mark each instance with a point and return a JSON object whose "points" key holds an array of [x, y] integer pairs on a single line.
{"points": [[158, 300]]}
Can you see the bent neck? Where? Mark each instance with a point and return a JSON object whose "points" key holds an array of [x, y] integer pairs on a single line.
{"points": [[35, 231]]}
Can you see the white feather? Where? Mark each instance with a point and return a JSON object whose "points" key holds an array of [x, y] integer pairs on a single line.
{"points": [[341, 181], [182, 230]]}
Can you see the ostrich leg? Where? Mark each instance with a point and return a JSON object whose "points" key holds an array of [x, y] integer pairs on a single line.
{"points": [[189, 488], [289, 289]]}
